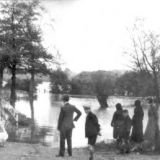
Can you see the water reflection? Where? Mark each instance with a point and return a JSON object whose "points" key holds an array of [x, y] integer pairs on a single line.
{"points": [[47, 110]]}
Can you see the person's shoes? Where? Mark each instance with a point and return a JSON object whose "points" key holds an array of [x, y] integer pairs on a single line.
{"points": [[90, 158], [127, 151], [59, 155]]}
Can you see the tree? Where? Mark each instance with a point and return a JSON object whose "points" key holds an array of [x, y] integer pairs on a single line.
{"points": [[82, 84], [20, 37], [103, 83], [134, 83], [60, 82], [146, 58], [12, 37], [34, 56], [100, 84], [3, 64]]}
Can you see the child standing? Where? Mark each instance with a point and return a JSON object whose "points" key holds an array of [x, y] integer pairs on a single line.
{"points": [[92, 130], [127, 123]]}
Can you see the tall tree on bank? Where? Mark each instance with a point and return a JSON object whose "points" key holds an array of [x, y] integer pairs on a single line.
{"points": [[12, 38], [21, 37], [35, 57], [3, 64], [146, 58]]}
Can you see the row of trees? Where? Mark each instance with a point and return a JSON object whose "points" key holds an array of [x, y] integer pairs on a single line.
{"points": [[21, 46], [103, 84]]}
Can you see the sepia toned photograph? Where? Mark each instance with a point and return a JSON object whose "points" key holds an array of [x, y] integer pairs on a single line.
{"points": [[79, 80]]}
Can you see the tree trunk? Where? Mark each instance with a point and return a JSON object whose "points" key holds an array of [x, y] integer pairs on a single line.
{"points": [[102, 99], [13, 86], [1, 85], [31, 100], [156, 87]]}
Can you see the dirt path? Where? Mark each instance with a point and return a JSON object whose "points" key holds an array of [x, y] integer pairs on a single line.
{"points": [[19, 151]]}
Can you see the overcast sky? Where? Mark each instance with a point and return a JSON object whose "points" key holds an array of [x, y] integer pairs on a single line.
{"points": [[91, 34]]}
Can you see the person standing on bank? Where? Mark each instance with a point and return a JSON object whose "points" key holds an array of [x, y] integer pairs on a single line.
{"points": [[117, 123], [92, 130], [137, 123], [152, 127], [65, 125]]}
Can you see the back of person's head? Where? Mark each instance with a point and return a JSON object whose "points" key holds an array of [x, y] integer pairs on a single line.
{"points": [[65, 98], [150, 100], [137, 103], [119, 107], [125, 111], [87, 109]]}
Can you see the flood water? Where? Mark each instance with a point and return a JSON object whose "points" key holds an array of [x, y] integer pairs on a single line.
{"points": [[47, 111]]}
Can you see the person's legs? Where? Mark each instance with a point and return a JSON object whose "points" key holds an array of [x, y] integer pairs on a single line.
{"points": [[69, 141], [62, 144], [127, 146], [91, 144], [91, 151]]}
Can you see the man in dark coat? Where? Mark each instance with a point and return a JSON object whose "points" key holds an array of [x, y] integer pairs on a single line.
{"points": [[65, 125], [92, 129]]}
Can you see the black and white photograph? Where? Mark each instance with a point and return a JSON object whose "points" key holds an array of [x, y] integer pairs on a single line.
{"points": [[79, 79]]}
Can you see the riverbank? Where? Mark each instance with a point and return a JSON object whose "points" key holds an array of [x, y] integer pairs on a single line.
{"points": [[22, 151]]}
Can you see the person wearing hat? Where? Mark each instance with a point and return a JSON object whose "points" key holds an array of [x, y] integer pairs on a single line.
{"points": [[66, 125], [92, 129]]}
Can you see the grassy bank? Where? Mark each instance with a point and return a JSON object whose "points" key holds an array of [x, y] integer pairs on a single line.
{"points": [[22, 151]]}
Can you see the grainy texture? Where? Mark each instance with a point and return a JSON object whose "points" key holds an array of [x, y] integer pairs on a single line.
{"points": [[20, 151]]}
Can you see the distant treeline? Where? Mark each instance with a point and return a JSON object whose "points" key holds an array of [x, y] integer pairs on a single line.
{"points": [[129, 83], [103, 84]]}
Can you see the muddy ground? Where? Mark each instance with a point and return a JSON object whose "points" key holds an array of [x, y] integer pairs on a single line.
{"points": [[21, 151]]}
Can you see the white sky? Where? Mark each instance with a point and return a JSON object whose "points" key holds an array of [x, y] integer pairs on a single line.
{"points": [[91, 34]]}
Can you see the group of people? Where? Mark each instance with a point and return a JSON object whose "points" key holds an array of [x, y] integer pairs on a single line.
{"points": [[129, 131], [121, 122]]}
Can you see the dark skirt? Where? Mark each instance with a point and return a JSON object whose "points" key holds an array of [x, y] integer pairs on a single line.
{"points": [[117, 132], [92, 140], [137, 132]]}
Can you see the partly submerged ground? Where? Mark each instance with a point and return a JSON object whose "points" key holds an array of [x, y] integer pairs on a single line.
{"points": [[21, 151]]}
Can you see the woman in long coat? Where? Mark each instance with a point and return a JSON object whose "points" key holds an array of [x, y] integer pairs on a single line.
{"points": [[137, 123], [152, 126]]}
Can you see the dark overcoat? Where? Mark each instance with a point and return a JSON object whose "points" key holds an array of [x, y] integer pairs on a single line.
{"points": [[117, 124], [92, 127], [126, 127], [65, 121], [137, 122]]}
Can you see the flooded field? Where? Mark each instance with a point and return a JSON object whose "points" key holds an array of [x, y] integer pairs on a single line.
{"points": [[47, 111]]}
